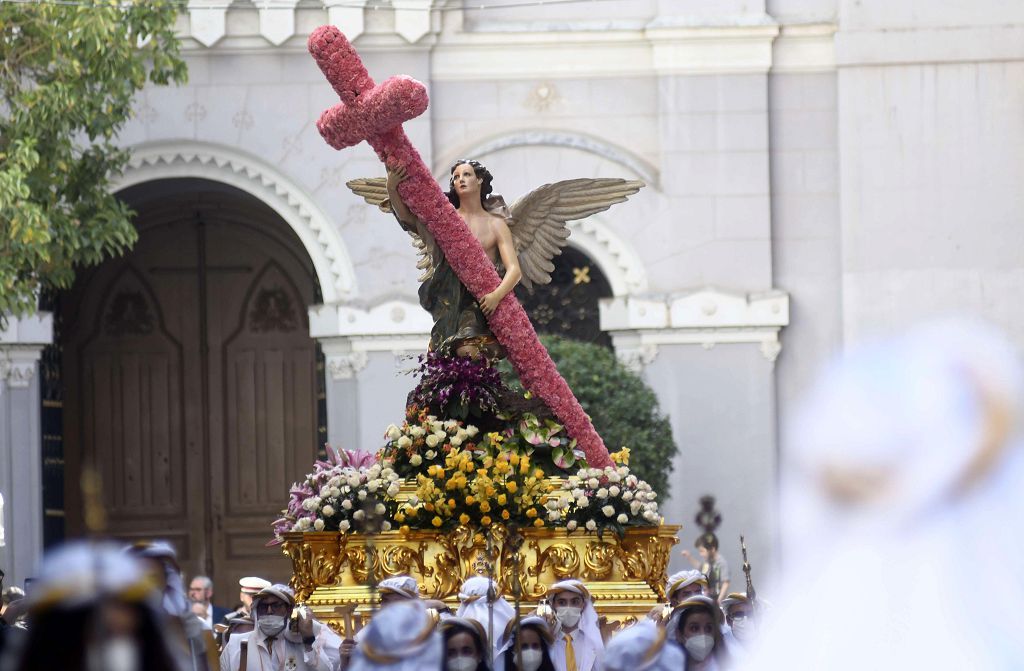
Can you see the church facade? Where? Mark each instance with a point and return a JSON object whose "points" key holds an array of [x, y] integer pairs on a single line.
{"points": [[816, 170]]}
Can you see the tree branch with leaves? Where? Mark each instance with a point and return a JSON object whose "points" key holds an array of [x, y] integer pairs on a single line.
{"points": [[68, 81]]}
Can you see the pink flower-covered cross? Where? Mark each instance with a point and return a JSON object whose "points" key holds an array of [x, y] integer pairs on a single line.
{"points": [[375, 113]]}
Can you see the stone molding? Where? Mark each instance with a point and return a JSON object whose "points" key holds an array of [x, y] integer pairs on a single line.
{"points": [[725, 44], [706, 317], [554, 138], [349, 333], [21, 344], [319, 236]]}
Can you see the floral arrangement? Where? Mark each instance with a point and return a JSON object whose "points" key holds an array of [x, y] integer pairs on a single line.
{"points": [[457, 387], [479, 488], [351, 492], [599, 499], [423, 441], [379, 123]]}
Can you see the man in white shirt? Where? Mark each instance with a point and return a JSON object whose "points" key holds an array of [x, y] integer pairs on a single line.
{"points": [[273, 644], [578, 643]]}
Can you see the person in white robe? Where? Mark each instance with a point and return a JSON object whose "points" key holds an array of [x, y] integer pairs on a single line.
{"points": [[643, 647], [904, 475], [473, 604], [275, 644], [579, 645], [402, 637]]}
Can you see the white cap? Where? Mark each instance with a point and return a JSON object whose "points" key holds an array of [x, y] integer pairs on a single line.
{"points": [[253, 585]]}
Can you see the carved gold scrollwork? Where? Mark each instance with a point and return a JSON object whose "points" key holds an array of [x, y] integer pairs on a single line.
{"points": [[448, 563], [599, 560], [355, 557], [314, 564], [561, 558], [399, 559]]}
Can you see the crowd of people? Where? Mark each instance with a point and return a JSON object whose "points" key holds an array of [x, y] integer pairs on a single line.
{"points": [[127, 609]]}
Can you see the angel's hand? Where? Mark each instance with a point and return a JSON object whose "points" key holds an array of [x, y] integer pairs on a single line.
{"points": [[489, 303], [396, 175]]}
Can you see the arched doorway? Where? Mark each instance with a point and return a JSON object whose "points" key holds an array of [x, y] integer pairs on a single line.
{"points": [[191, 381]]}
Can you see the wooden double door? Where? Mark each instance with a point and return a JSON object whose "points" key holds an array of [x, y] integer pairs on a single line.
{"points": [[191, 380]]}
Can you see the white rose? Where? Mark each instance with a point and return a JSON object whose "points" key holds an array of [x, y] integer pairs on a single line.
{"points": [[635, 507], [393, 431], [436, 426], [602, 493], [404, 441], [372, 486], [614, 477], [417, 431], [432, 440], [303, 524], [650, 516], [415, 460], [361, 495], [571, 526], [335, 492], [328, 511], [379, 509], [614, 491], [455, 441], [431, 454], [346, 504], [472, 430], [394, 489], [608, 511], [318, 524], [627, 496], [553, 515], [591, 525], [582, 502], [462, 434], [353, 480], [344, 526], [622, 518], [593, 483], [358, 515], [385, 526], [451, 424]]}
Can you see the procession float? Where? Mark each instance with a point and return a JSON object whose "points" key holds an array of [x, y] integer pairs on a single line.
{"points": [[478, 478]]}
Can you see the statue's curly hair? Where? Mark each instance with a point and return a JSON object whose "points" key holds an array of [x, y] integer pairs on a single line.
{"points": [[481, 172]]}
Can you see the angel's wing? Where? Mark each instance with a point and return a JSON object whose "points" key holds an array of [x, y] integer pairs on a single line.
{"points": [[374, 190], [538, 219]]}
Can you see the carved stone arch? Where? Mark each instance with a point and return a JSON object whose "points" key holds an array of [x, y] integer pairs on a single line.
{"points": [[555, 138], [615, 257], [184, 159]]}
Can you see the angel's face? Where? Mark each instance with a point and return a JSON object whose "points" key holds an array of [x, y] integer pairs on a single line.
{"points": [[464, 180]]}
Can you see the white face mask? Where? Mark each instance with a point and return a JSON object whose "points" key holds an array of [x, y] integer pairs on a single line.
{"points": [[532, 659], [700, 646], [271, 625], [462, 663], [743, 629], [117, 654], [568, 616]]}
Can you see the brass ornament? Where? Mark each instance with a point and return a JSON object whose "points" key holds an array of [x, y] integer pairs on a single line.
{"points": [[626, 576]]}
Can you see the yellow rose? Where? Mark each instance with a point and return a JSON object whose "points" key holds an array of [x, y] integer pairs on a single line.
{"points": [[511, 486], [451, 503], [502, 499], [404, 528], [538, 474], [538, 522], [486, 521], [505, 515], [399, 517], [470, 500], [464, 518], [437, 521], [429, 507], [513, 459], [532, 512], [485, 507], [524, 467]]}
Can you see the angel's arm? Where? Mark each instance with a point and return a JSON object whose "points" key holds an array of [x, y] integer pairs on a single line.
{"points": [[509, 259], [395, 177]]}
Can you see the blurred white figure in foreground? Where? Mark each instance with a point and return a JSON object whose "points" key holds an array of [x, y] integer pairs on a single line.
{"points": [[903, 511]]}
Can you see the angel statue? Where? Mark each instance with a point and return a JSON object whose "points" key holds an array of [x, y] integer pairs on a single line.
{"points": [[521, 241]]}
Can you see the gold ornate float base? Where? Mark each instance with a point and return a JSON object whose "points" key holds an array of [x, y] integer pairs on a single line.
{"points": [[626, 576]]}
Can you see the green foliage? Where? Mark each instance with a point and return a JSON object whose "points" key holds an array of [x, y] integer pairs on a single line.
{"points": [[622, 407], [68, 75]]}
